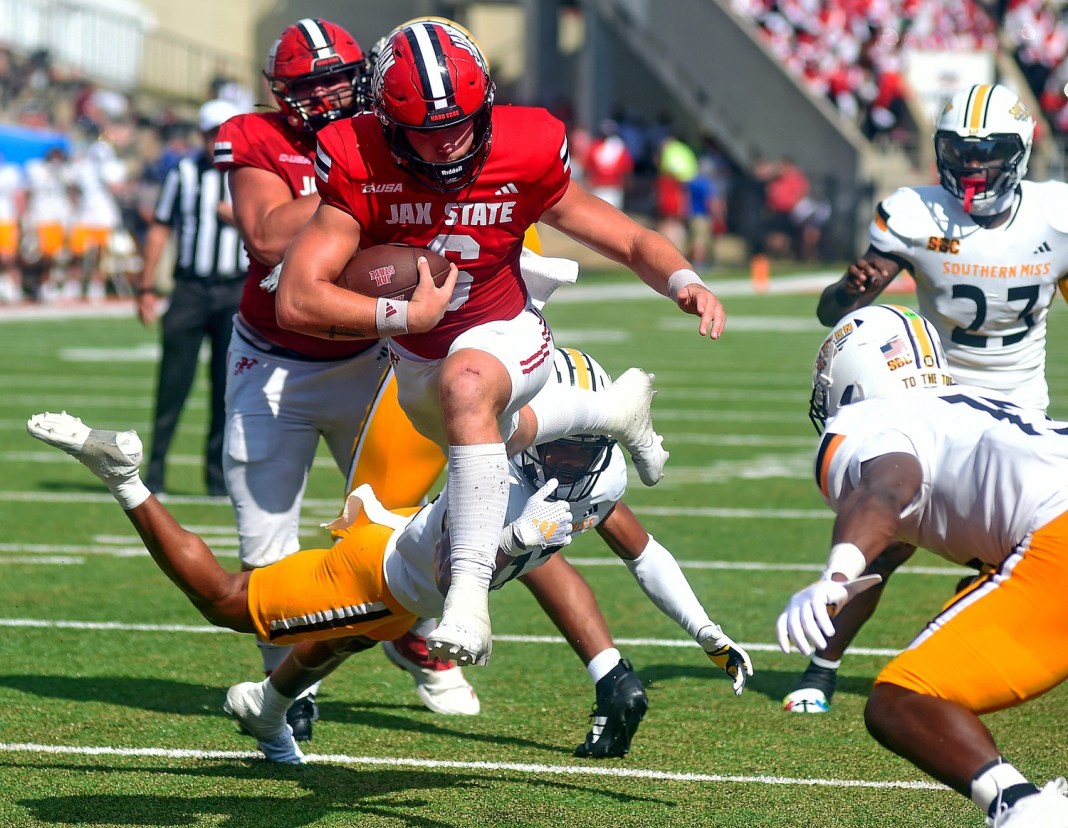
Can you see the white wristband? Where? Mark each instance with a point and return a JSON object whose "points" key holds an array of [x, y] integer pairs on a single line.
{"points": [[680, 279], [847, 559], [391, 317]]}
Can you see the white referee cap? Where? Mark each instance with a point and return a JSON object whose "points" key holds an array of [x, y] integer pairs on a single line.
{"points": [[214, 114]]}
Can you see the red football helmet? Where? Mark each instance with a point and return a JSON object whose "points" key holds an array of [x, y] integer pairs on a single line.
{"points": [[431, 75], [317, 73]]}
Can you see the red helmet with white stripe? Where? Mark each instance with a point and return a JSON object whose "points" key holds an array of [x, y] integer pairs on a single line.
{"points": [[432, 76], [317, 73]]}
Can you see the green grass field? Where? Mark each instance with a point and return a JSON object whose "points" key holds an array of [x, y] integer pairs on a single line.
{"points": [[111, 685]]}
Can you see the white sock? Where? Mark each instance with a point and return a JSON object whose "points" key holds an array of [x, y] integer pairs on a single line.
{"points": [[562, 410], [423, 627], [603, 663], [992, 781], [826, 663], [478, 506], [275, 704]]}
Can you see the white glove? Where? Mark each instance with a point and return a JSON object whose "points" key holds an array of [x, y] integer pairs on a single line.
{"points": [[270, 282], [725, 654], [807, 618], [542, 523]]}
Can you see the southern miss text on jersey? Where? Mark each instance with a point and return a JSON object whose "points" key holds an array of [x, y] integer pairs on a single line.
{"points": [[409, 566], [265, 141], [987, 291], [992, 472], [480, 228]]}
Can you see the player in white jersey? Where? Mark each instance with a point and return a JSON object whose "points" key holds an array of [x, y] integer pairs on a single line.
{"points": [[906, 455], [12, 198], [987, 249], [374, 584], [988, 252], [46, 220], [588, 473], [94, 177]]}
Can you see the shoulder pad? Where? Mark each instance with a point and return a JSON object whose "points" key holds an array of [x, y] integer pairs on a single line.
{"points": [[1053, 195], [908, 212]]}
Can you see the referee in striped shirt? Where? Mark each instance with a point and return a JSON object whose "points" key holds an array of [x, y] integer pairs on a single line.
{"points": [[209, 275]]}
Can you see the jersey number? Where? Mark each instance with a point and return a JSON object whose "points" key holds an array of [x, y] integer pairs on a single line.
{"points": [[1003, 410], [468, 249], [962, 336]]}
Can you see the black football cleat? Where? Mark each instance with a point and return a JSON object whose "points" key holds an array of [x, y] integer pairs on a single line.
{"points": [[621, 705], [300, 716], [813, 692]]}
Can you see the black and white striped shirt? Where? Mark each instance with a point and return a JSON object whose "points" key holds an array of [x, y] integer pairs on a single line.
{"points": [[188, 202]]}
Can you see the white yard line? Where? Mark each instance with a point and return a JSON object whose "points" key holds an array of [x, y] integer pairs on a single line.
{"points": [[124, 547], [195, 629], [518, 767]]}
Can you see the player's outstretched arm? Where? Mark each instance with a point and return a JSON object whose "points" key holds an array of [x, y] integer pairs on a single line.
{"points": [[869, 515], [115, 457], [613, 234], [661, 579], [859, 286]]}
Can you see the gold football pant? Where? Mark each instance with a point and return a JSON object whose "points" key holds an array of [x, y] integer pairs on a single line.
{"points": [[318, 594], [1001, 641]]}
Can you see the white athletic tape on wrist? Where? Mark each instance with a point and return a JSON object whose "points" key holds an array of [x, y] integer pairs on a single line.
{"points": [[847, 559], [680, 279], [130, 493], [391, 317]]}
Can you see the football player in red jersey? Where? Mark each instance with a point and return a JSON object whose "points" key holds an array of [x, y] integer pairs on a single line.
{"points": [[436, 165], [283, 387]]}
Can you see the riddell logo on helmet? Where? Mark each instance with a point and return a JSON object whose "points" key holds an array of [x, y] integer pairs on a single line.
{"points": [[383, 275]]}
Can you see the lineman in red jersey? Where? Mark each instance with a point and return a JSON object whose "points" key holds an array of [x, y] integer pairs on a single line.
{"points": [[437, 166], [283, 387]]}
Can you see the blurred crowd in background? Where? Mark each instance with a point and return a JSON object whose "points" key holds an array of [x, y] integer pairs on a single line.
{"points": [[852, 51], [80, 170], [82, 165]]}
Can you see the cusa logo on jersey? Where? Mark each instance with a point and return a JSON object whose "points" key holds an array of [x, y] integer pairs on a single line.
{"points": [[383, 275], [395, 187]]}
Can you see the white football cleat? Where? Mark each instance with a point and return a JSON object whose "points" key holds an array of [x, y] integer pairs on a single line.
{"points": [[113, 456], [632, 423], [463, 634], [465, 642], [806, 700], [275, 740], [1046, 809], [441, 686]]}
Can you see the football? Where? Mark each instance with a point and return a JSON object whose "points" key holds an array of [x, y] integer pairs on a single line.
{"points": [[389, 271]]}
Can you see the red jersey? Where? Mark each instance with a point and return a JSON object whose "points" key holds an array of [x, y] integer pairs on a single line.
{"points": [[265, 141], [480, 227]]}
